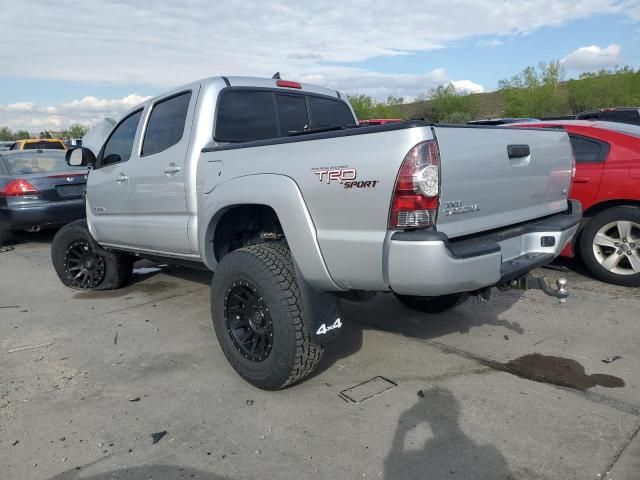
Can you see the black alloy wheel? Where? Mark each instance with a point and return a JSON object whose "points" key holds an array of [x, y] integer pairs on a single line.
{"points": [[248, 321], [83, 267]]}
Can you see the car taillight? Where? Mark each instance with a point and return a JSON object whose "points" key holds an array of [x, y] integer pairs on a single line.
{"points": [[416, 193], [17, 188], [288, 84]]}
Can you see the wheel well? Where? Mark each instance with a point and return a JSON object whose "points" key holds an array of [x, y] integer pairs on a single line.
{"points": [[244, 225], [593, 210]]}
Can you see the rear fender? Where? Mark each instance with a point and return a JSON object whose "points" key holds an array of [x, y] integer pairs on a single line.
{"points": [[282, 194]]}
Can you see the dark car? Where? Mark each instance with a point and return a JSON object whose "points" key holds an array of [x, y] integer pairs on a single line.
{"points": [[39, 190], [620, 115]]}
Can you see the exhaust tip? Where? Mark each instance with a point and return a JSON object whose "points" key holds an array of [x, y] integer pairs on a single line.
{"points": [[34, 228]]}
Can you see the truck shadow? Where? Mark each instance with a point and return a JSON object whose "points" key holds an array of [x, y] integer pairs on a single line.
{"points": [[429, 443], [386, 313]]}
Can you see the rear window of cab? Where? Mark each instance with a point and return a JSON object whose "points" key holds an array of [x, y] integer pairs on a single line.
{"points": [[251, 114], [36, 162], [43, 145]]}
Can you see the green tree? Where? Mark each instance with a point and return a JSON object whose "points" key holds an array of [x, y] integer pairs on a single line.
{"points": [[450, 106], [535, 92], [6, 134], [367, 107], [77, 131], [21, 135]]}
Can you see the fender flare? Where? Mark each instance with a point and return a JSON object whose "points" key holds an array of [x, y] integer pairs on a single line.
{"points": [[282, 194]]}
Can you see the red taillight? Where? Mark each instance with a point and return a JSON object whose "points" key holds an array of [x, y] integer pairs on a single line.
{"points": [[416, 194], [18, 187], [288, 84]]}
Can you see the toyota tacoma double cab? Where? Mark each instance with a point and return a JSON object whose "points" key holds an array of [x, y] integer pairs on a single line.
{"points": [[272, 185]]}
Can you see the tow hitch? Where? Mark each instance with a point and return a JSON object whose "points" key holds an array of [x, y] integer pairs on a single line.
{"points": [[531, 282]]}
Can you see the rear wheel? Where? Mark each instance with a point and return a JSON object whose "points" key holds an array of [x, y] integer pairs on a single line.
{"points": [[432, 304], [610, 246], [83, 264], [259, 318]]}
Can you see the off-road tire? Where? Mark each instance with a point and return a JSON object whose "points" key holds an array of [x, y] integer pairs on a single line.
{"points": [[587, 236], [293, 355], [432, 304], [118, 267]]}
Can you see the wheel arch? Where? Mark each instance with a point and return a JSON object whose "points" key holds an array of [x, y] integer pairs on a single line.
{"points": [[266, 194]]}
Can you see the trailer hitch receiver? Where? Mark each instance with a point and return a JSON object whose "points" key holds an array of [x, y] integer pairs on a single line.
{"points": [[532, 282]]}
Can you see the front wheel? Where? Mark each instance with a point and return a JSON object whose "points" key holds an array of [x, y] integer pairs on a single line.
{"points": [[258, 317], [610, 246], [432, 304], [83, 264]]}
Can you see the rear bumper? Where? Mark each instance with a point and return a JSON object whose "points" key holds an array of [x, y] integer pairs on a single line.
{"points": [[45, 215], [427, 263]]}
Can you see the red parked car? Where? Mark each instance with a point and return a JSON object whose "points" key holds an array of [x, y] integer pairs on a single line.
{"points": [[380, 121], [607, 183]]}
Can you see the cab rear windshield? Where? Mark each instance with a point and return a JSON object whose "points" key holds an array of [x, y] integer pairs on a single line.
{"points": [[253, 114], [43, 146], [37, 162]]}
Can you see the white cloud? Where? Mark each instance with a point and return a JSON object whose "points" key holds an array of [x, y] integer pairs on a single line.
{"points": [[467, 86], [87, 111], [490, 43], [170, 42], [593, 57]]}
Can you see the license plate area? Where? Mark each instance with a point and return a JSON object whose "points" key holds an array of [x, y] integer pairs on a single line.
{"points": [[70, 191]]}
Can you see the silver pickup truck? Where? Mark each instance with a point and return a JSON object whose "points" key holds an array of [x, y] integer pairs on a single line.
{"points": [[272, 185]]}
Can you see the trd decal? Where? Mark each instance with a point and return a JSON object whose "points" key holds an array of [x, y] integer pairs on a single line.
{"points": [[336, 175], [344, 176]]}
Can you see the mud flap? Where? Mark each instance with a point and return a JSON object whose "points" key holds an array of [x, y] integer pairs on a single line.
{"points": [[321, 309]]}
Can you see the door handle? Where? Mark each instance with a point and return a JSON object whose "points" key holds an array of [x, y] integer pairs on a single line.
{"points": [[518, 151], [171, 169], [122, 178], [581, 180]]}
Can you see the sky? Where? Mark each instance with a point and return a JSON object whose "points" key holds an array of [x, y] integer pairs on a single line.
{"points": [[82, 60]]}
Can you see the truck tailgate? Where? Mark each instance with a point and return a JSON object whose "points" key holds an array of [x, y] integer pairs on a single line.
{"points": [[493, 177]]}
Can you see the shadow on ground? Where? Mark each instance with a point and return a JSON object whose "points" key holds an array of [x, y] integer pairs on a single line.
{"points": [[429, 443]]}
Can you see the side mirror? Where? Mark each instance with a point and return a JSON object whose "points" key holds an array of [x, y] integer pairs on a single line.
{"points": [[80, 157]]}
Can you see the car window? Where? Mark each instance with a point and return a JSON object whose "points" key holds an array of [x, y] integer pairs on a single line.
{"points": [[245, 115], [622, 116], [325, 112], [292, 113], [37, 162], [166, 124], [587, 150], [44, 145], [120, 143]]}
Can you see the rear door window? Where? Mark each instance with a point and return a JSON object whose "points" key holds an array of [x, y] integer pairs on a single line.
{"points": [[120, 144], [166, 124], [588, 150], [292, 113], [245, 115], [43, 146], [325, 112]]}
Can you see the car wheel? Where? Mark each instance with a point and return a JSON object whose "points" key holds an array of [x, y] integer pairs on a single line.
{"points": [[83, 264], [258, 317], [610, 246], [432, 304], [6, 237]]}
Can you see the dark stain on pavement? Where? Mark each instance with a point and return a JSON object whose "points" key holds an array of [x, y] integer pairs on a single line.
{"points": [[559, 371], [144, 287]]}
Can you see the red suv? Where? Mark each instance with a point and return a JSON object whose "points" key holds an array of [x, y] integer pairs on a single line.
{"points": [[607, 183]]}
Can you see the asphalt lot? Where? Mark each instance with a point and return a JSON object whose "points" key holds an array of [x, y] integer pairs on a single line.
{"points": [[111, 368]]}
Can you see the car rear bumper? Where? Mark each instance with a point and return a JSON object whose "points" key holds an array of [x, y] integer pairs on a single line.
{"points": [[427, 263], [44, 215]]}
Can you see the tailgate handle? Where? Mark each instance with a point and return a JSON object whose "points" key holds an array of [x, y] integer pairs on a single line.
{"points": [[518, 151]]}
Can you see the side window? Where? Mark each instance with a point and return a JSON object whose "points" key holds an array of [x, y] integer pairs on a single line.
{"points": [[118, 147], [245, 115], [329, 113], [588, 150], [166, 124], [622, 116], [292, 113]]}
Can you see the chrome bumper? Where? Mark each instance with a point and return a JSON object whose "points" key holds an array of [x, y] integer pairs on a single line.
{"points": [[427, 263]]}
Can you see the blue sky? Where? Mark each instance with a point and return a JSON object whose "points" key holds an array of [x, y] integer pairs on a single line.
{"points": [[79, 61]]}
